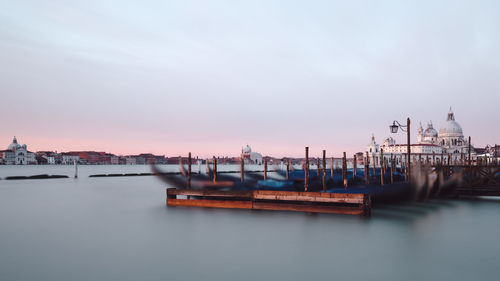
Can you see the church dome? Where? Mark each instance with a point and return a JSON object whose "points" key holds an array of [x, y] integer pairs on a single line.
{"points": [[14, 145], [246, 149], [451, 127], [430, 132]]}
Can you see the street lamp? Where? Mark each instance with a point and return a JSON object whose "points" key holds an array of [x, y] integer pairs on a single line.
{"points": [[394, 129]]}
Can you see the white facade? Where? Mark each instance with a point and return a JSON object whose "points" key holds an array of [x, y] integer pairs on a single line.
{"points": [[130, 160], [17, 154], [250, 157], [69, 159], [51, 160]]}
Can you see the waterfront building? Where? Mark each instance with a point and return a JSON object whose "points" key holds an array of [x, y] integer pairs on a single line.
{"points": [[69, 158], [249, 156], [448, 142], [17, 154], [130, 160], [115, 160], [47, 157]]}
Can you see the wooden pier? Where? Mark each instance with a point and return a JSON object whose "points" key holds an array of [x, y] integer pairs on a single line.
{"points": [[314, 202]]}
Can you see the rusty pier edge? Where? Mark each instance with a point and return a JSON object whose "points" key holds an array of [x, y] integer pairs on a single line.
{"points": [[314, 202]]}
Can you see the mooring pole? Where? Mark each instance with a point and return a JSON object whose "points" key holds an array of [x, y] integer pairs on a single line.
{"points": [[207, 167], [470, 159], [265, 169], [306, 170], [344, 170], [215, 169], [331, 169], [287, 169], [392, 169], [76, 168], [189, 171], [367, 169], [324, 170], [381, 167], [354, 167], [408, 170]]}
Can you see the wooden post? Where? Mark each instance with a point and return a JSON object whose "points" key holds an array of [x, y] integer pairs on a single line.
{"points": [[354, 167], [215, 169], [470, 159], [433, 158], [75, 163], [242, 169], [265, 169], [287, 169], [470, 164], [367, 169], [344, 170], [331, 169], [381, 166], [324, 170], [392, 169], [207, 167], [408, 168], [189, 171], [306, 170]]}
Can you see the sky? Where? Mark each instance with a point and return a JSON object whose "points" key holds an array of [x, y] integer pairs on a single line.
{"points": [[208, 77]]}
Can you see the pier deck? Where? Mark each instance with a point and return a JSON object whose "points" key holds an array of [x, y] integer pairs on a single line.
{"points": [[314, 202]]}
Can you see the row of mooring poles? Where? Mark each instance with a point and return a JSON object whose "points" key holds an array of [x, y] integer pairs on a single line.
{"points": [[323, 169]]}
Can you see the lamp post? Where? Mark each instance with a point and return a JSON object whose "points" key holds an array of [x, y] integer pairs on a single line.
{"points": [[394, 129]]}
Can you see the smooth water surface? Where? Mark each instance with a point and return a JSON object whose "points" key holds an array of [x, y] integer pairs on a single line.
{"points": [[120, 229]]}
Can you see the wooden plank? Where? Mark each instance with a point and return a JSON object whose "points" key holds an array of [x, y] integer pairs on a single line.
{"points": [[205, 183], [227, 204], [308, 208], [309, 196], [209, 193]]}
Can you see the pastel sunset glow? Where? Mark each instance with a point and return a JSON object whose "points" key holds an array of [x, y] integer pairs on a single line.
{"points": [[209, 77]]}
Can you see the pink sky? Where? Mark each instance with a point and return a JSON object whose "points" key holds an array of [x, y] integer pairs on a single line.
{"points": [[209, 78]]}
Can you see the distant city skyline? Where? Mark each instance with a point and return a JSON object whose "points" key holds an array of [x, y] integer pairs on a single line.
{"points": [[209, 77]]}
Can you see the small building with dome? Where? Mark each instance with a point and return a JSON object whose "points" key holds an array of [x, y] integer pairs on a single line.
{"points": [[17, 154], [250, 157]]}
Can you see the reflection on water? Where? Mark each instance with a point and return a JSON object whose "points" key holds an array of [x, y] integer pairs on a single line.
{"points": [[120, 229]]}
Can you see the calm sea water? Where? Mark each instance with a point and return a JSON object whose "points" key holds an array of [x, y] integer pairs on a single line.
{"points": [[120, 229]]}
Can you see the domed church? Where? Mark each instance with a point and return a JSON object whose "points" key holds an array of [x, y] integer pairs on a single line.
{"points": [[249, 156], [450, 136], [449, 142], [17, 154]]}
